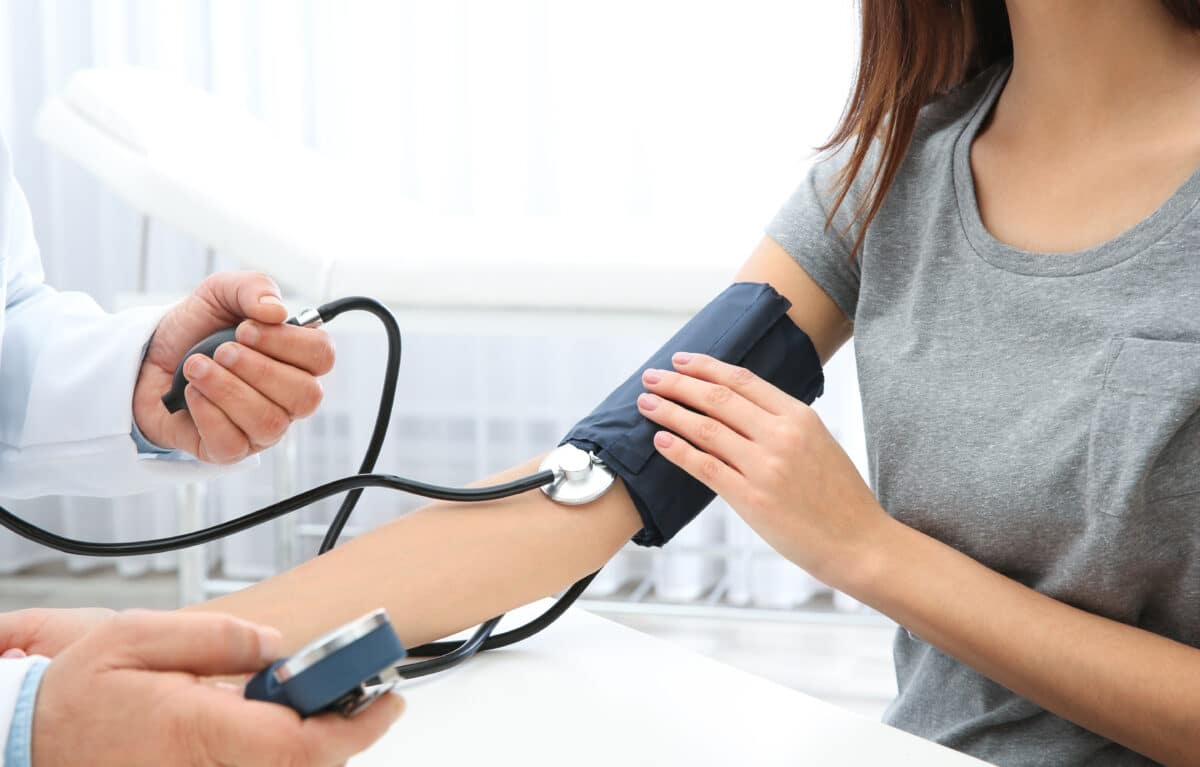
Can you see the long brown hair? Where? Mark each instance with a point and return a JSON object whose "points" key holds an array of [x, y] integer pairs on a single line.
{"points": [[913, 51]]}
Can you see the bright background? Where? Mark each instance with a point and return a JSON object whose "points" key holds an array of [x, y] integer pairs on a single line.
{"points": [[707, 110], [624, 112]]}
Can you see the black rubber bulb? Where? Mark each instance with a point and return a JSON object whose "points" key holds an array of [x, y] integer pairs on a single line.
{"points": [[173, 399]]}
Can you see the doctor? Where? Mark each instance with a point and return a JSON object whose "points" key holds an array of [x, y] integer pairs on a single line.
{"points": [[80, 414]]}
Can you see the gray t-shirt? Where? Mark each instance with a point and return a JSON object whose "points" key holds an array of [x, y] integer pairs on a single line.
{"points": [[1038, 412]]}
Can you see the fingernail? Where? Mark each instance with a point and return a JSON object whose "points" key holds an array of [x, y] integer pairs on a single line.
{"points": [[663, 439], [647, 401], [652, 376], [247, 333], [681, 358], [13, 654], [197, 366], [226, 355], [270, 299], [270, 644]]}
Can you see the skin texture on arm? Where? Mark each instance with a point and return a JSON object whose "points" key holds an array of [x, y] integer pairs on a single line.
{"points": [[450, 565]]}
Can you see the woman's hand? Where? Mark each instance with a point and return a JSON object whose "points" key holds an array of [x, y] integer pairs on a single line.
{"points": [[770, 457], [42, 631], [244, 399], [129, 693]]}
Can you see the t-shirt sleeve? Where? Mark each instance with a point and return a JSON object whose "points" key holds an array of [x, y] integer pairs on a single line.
{"points": [[823, 251]]}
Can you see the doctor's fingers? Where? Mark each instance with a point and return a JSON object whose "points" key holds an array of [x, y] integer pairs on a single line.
{"points": [[309, 349], [293, 389], [259, 419], [243, 294], [216, 438], [199, 643], [708, 434], [251, 733]]}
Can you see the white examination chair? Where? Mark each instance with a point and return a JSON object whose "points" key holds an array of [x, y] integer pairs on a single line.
{"points": [[179, 155]]}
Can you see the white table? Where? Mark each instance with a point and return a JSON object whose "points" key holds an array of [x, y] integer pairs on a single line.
{"points": [[588, 691]]}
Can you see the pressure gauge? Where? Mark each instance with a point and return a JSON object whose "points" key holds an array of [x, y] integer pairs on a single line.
{"points": [[332, 673]]}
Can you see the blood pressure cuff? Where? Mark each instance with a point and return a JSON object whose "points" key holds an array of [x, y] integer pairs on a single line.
{"points": [[747, 325]]}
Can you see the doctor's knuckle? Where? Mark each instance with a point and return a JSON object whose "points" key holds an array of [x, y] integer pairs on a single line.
{"points": [[274, 422], [228, 451], [323, 354], [133, 628], [309, 398]]}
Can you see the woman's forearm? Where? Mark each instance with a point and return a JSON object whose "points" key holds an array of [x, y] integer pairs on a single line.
{"points": [[444, 567], [1130, 685]]}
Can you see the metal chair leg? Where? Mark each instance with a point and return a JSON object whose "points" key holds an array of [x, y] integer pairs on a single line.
{"points": [[193, 562]]}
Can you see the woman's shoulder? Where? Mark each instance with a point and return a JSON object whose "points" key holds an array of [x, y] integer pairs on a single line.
{"points": [[937, 127], [943, 117]]}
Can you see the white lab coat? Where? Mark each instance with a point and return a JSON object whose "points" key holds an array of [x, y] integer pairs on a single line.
{"points": [[67, 371]]}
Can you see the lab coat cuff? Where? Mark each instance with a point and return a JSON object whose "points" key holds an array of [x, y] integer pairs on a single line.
{"points": [[20, 681]]}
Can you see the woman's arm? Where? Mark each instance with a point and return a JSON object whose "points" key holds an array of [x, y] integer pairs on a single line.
{"points": [[452, 565], [1130, 685], [773, 460]]}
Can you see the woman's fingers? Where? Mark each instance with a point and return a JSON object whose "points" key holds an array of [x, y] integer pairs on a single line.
{"points": [[713, 472], [741, 380], [707, 433], [717, 400]]}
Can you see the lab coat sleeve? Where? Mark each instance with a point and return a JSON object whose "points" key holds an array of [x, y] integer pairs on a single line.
{"points": [[67, 371], [15, 693]]}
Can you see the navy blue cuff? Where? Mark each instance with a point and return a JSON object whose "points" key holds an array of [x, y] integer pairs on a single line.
{"points": [[747, 325]]}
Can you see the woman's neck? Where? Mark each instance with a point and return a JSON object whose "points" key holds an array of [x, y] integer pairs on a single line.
{"points": [[1080, 63]]}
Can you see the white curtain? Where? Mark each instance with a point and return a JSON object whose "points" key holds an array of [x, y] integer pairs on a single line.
{"points": [[629, 108]]}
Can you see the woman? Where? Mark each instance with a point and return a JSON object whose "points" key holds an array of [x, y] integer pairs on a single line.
{"points": [[1007, 228]]}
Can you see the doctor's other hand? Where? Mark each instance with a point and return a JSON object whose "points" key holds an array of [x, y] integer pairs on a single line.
{"points": [[771, 458], [131, 693], [46, 631], [246, 397]]}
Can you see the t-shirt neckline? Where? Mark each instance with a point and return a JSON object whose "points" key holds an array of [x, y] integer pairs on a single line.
{"points": [[1106, 254]]}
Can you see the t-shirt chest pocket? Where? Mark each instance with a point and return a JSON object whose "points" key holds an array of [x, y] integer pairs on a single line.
{"points": [[1144, 440]]}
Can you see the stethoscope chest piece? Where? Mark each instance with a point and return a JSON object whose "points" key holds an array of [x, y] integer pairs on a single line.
{"points": [[579, 476], [336, 672]]}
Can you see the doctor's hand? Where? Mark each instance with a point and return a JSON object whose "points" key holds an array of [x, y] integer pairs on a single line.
{"points": [[244, 399], [129, 693], [771, 458], [44, 631]]}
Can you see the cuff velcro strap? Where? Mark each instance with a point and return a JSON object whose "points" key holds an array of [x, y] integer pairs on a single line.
{"points": [[747, 325]]}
